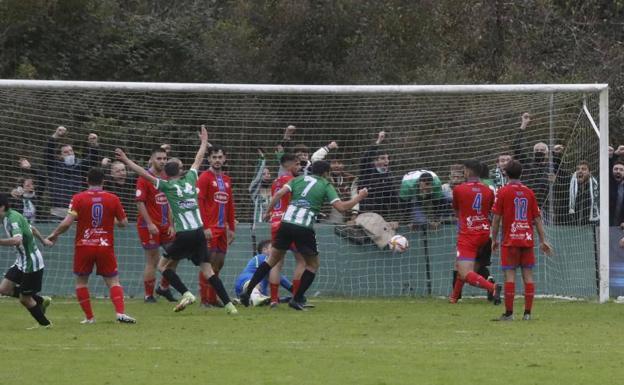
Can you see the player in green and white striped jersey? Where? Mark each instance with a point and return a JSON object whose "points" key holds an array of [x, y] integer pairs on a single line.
{"points": [[309, 192], [190, 240], [24, 278]]}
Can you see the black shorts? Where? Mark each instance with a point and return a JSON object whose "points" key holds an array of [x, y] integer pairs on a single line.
{"points": [[303, 237], [484, 254], [29, 283], [189, 244]]}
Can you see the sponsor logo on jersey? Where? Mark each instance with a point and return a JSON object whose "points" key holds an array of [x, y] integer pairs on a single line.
{"points": [[161, 199], [187, 204], [221, 197], [301, 203], [519, 226]]}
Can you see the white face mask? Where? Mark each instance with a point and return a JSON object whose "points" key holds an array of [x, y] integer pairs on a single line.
{"points": [[69, 160]]}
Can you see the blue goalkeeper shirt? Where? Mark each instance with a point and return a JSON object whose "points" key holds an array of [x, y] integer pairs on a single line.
{"points": [[249, 271]]}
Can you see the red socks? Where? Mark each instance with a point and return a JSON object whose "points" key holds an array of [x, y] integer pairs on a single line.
{"points": [[529, 294], [476, 280], [164, 283], [274, 293], [203, 287], [457, 288], [82, 293], [295, 286], [117, 298], [149, 287], [510, 293], [206, 292]]}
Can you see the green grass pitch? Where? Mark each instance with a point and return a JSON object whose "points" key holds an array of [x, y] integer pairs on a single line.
{"points": [[342, 341]]}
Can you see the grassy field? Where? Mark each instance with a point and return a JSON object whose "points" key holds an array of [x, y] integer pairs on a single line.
{"points": [[376, 341]]}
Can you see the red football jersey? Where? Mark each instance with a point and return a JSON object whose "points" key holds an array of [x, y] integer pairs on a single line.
{"points": [[517, 206], [96, 211], [154, 200], [282, 204], [473, 202], [216, 202]]}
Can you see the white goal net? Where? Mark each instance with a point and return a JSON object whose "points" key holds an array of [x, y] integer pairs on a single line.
{"points": [[427, 130]]}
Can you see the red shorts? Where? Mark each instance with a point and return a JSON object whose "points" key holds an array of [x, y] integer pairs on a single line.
{"points": [[102, 257], [218, 243], [150, 241], [468, 246], [274, 227], [513, 257]]}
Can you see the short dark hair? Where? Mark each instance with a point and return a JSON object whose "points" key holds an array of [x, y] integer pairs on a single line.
{"points": [[4, 201], [485, 171], [320, 167], [619, 161], [287, 157], [514, 169], [474, 166], [426, 177], [262, 245], [158, 149], [213, 149], [172, 168], [583, 163], [95, 176], [301, 148], [379, 152]]}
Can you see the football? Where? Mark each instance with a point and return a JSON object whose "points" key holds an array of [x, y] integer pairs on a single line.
{"points": [[398, 243]]}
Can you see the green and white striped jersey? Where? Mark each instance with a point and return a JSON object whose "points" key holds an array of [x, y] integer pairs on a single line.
{"points": [[182, 197], [29, 258], [309, 192]]}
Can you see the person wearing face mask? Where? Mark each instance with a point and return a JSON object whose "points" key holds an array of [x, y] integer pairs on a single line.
{"points": [[376, 176], [65, 171], [535, 163]]}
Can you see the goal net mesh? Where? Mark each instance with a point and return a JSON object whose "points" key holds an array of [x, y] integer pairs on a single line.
{"points": [[428, 132]]}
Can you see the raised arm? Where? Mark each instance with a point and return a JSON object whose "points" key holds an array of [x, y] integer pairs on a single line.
{"points": [[348, 205], [322, 152], [120, 155], [199, 157]]}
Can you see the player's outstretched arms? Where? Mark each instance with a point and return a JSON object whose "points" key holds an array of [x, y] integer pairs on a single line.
{"points": [[199, 157], [121, 155], [348, 205], [40, 237]]}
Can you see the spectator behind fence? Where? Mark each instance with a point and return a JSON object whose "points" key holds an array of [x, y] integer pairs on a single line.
{"points": [[536, 169], [423, 192], [260, 188], [25, 199], [456, 177], [118, 183], [616, 190], [499, 175], [346, 187], [65, 171], [375, 175], [584, 196], [301, 151]]}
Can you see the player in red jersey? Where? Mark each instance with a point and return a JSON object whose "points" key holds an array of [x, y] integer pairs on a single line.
{"points": [[96, 211], [216, 207], [472, 202], [517, 207], [154, 225], [291, 166]]}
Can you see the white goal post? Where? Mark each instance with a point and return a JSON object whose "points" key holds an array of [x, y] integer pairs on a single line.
{"points": [[599, 92]]}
